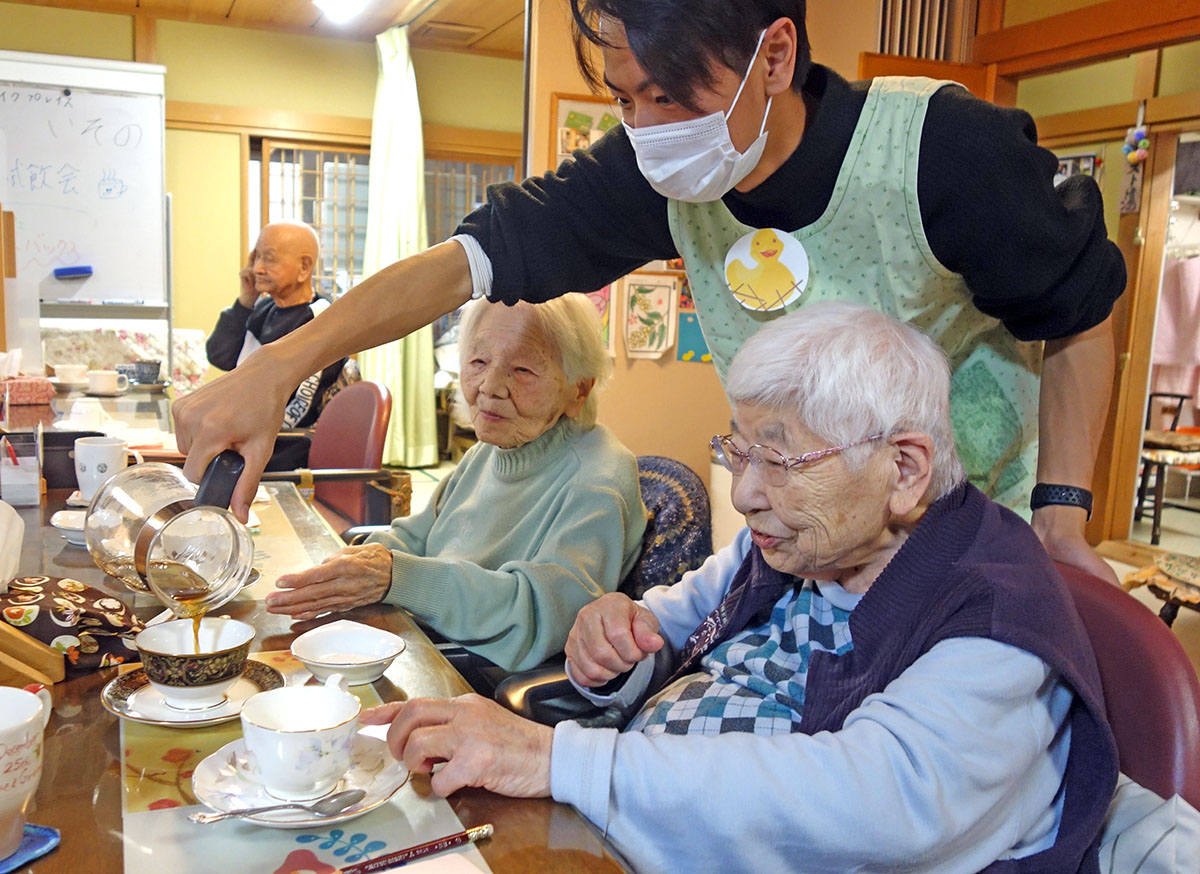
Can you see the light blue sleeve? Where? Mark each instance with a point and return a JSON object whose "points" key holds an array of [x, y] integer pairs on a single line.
{"points": [[957, 763], [680, 609], [410, 534]]}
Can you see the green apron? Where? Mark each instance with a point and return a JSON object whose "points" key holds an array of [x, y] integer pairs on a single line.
{"points": [[869, 247]]}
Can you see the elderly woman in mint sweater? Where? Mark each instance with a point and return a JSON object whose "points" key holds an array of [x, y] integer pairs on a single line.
{"points": [[541, 517]]}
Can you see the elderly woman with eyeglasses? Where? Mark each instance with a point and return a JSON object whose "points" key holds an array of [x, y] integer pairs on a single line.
{"points": [[882, 672], [540, 517]]}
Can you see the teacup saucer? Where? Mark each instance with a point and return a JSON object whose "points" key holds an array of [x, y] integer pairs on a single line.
{"points": [[65, 385], [130, 696], [105, 394], [223, 783]]}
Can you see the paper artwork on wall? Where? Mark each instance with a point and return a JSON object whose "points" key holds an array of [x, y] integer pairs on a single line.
{"points": [[1079, 165], [603, 300], [580, 121], [651, 305], [692, 346]]}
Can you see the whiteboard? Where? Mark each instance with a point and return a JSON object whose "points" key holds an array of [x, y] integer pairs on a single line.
{"points": [[82, 147]]}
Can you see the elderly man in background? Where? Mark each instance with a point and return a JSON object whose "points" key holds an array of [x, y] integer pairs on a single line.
{"points": [[275, 298], [542, 516], [882, 672]]}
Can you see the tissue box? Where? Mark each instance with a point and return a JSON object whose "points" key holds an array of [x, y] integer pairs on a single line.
{"points": [[28, 389]]}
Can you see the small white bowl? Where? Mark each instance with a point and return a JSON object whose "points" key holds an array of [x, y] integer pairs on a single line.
{"points": [[70, 523], [361, 653]]}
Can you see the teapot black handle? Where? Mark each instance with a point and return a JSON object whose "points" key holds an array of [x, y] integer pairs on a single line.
{"points": [[216, 486]]}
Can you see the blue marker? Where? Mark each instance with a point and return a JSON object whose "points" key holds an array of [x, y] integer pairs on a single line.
{"points": [[80, 271]]}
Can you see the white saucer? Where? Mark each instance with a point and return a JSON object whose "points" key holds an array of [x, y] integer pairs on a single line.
{"points": [[65, 385], [223, 783], [105, 394], [70, 523], [131, 696]]}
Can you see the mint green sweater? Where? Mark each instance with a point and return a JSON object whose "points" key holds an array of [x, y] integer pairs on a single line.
{"points": [[515, 541]]}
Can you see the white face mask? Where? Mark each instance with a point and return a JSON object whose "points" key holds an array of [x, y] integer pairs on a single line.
{"points": [[695, 160]]}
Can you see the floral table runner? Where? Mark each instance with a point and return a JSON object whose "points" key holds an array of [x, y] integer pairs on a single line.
{"points": [[157, 798]]}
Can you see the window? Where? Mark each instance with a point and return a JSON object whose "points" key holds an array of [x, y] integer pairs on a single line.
{"points": [[454, 188], [324, 186]]}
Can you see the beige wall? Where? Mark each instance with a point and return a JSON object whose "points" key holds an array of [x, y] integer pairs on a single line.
{"points": [[840, 31], [470, 91], [1082, 88], [203, 176], [66, 32], [1180, 70]]}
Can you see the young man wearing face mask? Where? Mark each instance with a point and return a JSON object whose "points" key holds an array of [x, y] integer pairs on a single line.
{"points": [[780, 183]]}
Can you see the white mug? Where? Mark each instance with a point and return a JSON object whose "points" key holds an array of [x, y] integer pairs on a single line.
{"points": [[107, 382], [299, 738], [74, 373], [98, 458], [23, 716]]}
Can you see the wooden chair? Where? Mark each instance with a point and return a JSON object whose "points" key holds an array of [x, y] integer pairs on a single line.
{"points": [[1150, 687], [1160, 450]]}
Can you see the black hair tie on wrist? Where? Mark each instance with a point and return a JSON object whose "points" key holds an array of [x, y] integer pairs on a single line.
{"points": [[1045, 494]]}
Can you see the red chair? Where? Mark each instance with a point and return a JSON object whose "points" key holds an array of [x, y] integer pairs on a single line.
{"points": [[346, 455], [1150, 687]]}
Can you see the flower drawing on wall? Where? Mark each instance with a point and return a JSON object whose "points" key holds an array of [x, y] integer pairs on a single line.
{"points": [[651, 304]]}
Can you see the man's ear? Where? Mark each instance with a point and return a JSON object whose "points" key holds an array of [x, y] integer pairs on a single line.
{"points": [[306, 267], [913, 458], [780, 50], [583, 388]]}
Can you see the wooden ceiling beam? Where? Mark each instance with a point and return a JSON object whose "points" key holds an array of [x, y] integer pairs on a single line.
{"points": [[1094, 33]]}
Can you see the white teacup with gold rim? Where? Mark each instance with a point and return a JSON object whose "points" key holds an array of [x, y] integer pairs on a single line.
{"points": [[23, 716], [299, 738]]}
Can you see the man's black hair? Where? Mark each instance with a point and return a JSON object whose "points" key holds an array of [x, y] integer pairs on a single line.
{"points": [[677, 41]]}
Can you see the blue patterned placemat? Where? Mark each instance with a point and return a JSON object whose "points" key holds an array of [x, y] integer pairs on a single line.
{"points": [[38, 841]]}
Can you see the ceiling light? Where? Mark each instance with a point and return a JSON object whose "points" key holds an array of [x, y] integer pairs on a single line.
{"points": [[341, 11]]}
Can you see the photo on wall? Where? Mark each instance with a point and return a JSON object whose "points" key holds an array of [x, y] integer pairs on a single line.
{"points": [[579, 121]]}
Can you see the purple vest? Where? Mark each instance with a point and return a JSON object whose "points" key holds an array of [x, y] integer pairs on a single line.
{"points": [[971, 568]]}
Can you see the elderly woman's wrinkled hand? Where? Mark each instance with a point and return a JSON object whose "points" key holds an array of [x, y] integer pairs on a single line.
{"points": [[355, 576], [481, 743], [610, 636]]}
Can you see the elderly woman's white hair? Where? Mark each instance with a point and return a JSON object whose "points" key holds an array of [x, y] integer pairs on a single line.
{"points": [[847, 372], [571, 325]]}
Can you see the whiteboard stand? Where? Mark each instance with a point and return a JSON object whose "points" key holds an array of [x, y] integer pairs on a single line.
{"points": [[84, 174]]}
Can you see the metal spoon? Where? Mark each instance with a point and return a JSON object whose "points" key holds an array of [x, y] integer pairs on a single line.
{"points": [[330, 806]]}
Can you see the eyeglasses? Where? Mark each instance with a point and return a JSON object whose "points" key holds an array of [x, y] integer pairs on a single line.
{"points": [[770, 464]]}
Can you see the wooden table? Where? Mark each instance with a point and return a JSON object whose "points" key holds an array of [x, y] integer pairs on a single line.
{"points": [[80, 792]]}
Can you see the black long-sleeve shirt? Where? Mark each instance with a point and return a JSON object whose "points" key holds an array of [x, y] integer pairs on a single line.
{"points": [[267, 322], [1035, 257]]}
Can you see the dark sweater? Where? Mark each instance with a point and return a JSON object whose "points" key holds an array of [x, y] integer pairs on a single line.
{"points": [[1035, 257]]}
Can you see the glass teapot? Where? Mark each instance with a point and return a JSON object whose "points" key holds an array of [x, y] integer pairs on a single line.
{"points": [[156, 532]]}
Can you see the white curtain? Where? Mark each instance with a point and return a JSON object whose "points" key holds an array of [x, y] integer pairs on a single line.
{"points": [[396, 229]]}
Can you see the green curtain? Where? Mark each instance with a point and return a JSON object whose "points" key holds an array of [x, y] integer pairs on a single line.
{"points": [[396, 229]]}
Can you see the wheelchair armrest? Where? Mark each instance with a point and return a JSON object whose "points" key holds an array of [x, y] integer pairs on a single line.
{"points": [[543, 694], [359, 533]]}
